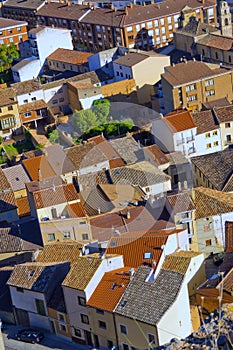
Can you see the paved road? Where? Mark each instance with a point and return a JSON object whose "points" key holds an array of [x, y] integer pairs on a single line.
{"points": [[50, 342]]}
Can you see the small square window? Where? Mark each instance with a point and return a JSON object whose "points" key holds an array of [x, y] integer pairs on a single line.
{"points": [[19, 29], [148, 255], [77, 332], [208, 242], [82, 301], [207, 134], [215, 143], [227, 125], [102, 325], [61, 317], [66, 235], [10, 108], [123, 329], [215, 133], [62, 327], [84, 319], [51, 237], [85, 237], [208, 145], [109, 344]]}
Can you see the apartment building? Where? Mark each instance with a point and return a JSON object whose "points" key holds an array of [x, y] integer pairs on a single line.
{"points": [[12, 31], [189, 84], [135, 26], [22, 10]]}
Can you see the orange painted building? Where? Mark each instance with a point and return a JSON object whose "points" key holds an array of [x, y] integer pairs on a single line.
{"points": [[12, 32]]}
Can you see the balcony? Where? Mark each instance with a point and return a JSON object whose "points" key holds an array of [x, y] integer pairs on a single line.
{"points": [[185, 220], [179, 142], [191, 150], [190, 138]]}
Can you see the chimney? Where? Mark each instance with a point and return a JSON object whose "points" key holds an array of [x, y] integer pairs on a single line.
{"points": [[99, 211], [131, 5], [39, 175], [228, 236], [60, 1], [185, 185], [128, 215], [126, 11]]}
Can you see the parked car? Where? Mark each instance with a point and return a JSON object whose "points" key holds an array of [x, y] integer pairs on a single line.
{"points": [[30, 335]]}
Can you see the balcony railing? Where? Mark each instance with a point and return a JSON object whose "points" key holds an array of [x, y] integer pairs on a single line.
{"points": [[190, 138], [179, 142], [192, 150]]}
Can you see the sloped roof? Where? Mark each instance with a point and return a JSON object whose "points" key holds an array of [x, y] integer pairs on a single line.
{"points": [[8, 22], [200, 119], [134, 246], [152, 299], [224, 114], [57, 252], [190, 71], [181, 202], [155, 152], [112, 286], [26, 4], [210, 202], [179, 121], [58, 160], [196, 28], [217, 42], [57, 300], [127, 148], [17, 177], [23, 206], [69, 56], [81, 273], [216, 167], [95, 201], [131, 59], [32, 106], [179, 261], [53, 196], [38, 168]]}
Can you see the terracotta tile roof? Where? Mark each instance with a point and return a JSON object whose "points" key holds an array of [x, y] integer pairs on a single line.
{"points": [[97, 139], [131, 59], [229, 236], [155, 153], [152, 299], [26, 4], [7, 198], [200, 119], [127, 148], [7, 22], [107, 149], [55, 195], [4, 183], [76, 210], [221, 102], [7, 97], [116, 163], [38, 168], [228, 187], [69, 56], [179, 261], [216, 167], [94, 201], [81, 273], [32, 106], [177, 158], [181, 202], [112, 286], [224, 114], [23, 206], [17, 177], [122, 194], [8, 241], [34, 276], [142, 219], [134, 246], [58, 160], [57, 252], [141, 174], [85, 155], [24, 87], [210, 202], [217, 42], [179, 121], [186, 73]]}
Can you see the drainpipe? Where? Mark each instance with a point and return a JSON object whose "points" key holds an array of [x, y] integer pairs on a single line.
{"points": [[115, 328]]}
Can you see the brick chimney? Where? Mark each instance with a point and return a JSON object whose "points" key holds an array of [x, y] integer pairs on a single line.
{"points": [[229, 236]]}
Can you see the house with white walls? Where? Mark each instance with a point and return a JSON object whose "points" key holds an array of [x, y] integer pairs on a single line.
{"points": [[163, 306], [224, 116], [42, 41], [31, 286], [176, 131], [78, 287]]}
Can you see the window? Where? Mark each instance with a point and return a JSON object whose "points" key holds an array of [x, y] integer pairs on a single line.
{"points": [[215, 133], [25, 101], [192, 98], [0, 33], [125, 346], [82, 222], [227, 125], [210, 93], [123, 329], [129, 29], [27, 114], [176, 18], [156, 23], [149, 25], [148, 255], [208, 242], [33, 98], [66, 234], [207, 134], [0, 110], [40, 307], [61, 99], [84, 319], [82, 301], [9, 31], [102, 325], [170, 27], [169, 20], [61, 317], [163, 30], [190, 87], [109, 344], [51, 237], [162, 21], [99, 311], [157, 31], [62, 327], [229, 59], [11, 40], [85, 236], [19, 29], [209, 82], [77, 332], [215, 143], [7, 123], [54, 213], [54, 102], [19, 289], [10, 108], [208, 145], [151, 338]]}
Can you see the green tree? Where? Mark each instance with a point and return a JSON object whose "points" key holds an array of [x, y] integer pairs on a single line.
{"points": [[84, 120], [101, 108], [7, 55], [54, 136]]}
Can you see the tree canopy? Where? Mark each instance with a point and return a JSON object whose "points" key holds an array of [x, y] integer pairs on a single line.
{"points": [[7, 55]]}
